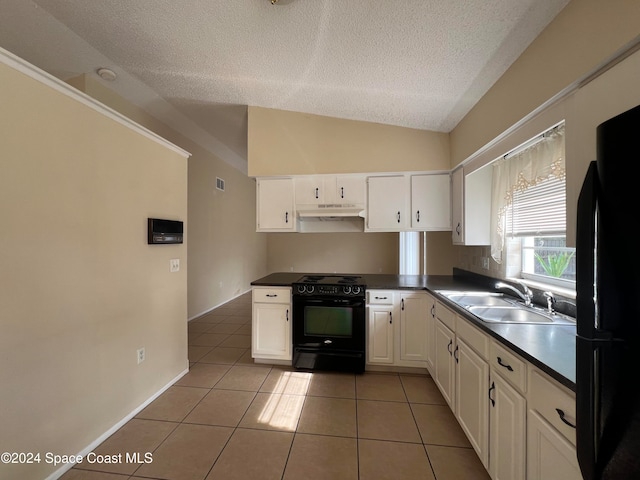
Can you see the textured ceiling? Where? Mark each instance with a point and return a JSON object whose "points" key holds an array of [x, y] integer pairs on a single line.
{"points": [[198, 63]]}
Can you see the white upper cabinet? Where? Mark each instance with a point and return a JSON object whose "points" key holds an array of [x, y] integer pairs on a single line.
{"points": [[388, 203], [275, 210], [312, 190], [457, 206], [431, 202], [330, 189], [471, 206], [350, 189]]}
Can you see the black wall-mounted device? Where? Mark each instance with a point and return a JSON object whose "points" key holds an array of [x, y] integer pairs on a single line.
{"points": [[164, 231]]}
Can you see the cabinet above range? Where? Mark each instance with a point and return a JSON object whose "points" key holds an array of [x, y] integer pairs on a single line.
{"points": [[354, 203]]}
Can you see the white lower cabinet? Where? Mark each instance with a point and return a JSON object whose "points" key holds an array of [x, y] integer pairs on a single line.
{"points": [[551, 437], [520, 422], [461, 372], [445, 368], [472, 377], [507, 431], [271, 324], [413, 326], [397, 328], [507, 414], [380, 334], [430, 340]]}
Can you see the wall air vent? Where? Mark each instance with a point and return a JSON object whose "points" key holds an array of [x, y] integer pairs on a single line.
{"points": [[220, 184]]}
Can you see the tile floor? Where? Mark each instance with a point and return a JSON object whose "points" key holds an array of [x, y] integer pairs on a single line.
{"points": [[229, 418]]}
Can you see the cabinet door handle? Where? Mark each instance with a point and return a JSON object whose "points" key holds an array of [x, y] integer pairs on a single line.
{"points": [[390, 318], [341, 192], [562, 416], [493, 387], [402, 304], [455, 354], [449, 347], [398, 217], [418, 216], [286, 217], [271, 295], [316, 192], [433, 310], [287, 315], [508, 367]]}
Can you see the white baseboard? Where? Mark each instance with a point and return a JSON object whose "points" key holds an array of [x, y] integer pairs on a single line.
{"points": [[62, 470], [213, 308]]}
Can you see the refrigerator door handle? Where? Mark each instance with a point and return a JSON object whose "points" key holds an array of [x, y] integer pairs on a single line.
{"points": [[586, 229]]}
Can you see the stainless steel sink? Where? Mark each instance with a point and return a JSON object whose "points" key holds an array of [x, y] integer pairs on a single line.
{"points": [[492, 307], [468, 299], [517, 314]]}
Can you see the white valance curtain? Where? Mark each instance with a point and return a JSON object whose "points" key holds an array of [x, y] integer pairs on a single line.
{"points": [[518, 172]]}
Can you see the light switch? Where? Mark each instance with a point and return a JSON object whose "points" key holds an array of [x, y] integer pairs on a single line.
{"points": [[174, 265]]}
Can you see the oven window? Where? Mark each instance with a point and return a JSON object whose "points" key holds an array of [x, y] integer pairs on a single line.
{"points": [[328, 321]]}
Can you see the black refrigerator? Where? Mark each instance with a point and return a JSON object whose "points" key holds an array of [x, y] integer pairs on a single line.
{"points": [[608, 305]]}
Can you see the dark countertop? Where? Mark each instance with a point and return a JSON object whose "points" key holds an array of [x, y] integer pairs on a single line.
{"points": [[549, 347]]}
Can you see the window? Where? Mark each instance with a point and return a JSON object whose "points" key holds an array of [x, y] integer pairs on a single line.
{"points": [[529, 212]]}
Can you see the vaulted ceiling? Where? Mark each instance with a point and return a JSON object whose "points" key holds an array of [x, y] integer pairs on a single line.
{"points": [[197, 64]]}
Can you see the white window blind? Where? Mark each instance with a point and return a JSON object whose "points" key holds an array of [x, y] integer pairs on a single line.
{"points": [[538, 210]]}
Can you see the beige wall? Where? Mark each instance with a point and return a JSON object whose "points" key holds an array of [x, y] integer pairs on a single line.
{"points": [[333, 252], [225, 252], [291, 143], [80, 289], [583, 35], [440, 253]]}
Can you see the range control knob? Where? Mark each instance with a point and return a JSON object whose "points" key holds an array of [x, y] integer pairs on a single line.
{"points": [[346, 289], [301, 289], [355, 290], [310, 288]]}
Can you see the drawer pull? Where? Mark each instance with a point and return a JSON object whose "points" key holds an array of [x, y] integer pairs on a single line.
{"points": [[508, 367], [561, 414], [271, 295], [380, 298], [493, 387]]}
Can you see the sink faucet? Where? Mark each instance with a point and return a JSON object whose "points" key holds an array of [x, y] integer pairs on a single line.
{"points": [[525, 295], [551, 300]]}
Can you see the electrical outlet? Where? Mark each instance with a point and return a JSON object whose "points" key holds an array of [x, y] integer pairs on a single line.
{"points": [[174, 265], [140, 355], [485, 263]]}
